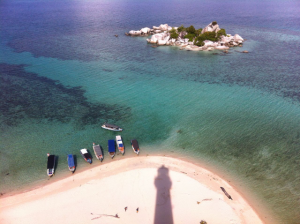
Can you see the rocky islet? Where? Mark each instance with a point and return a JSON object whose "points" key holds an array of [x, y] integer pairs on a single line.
{"points": [[162, 35]]}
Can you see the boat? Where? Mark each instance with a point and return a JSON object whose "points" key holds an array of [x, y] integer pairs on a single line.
{"points": [[71, 163], [111, 148], [111, 127], [98, 152], [120, 144], [50, 165], [135, 146], [85, 154]]}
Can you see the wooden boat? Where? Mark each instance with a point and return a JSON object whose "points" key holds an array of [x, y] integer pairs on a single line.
{"points": [[50, 165], [86, 156], [111, 148], [135, 146], [98, 152], [71, 162], [111, 127], [120, 144]]}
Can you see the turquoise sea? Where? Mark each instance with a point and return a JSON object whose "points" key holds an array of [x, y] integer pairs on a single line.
{"points": [[64, 73]]}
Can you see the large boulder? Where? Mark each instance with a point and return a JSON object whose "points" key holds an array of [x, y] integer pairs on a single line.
{"points": [[208, 43], [221, 48], [211, 28], [145, 30], [163, 27], [227, 39], [237, 38], [135, 32], [182, 34], [161, 42]]}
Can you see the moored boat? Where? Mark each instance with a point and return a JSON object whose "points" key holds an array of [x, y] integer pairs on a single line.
{"points": [[98, 152], [120, 144], [71, 162], [50, 165], [86, 156], [111, 148], [111, 127], [135, 146]]}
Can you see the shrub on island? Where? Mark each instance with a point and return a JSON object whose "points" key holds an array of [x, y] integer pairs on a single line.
{"points": [[181, 28], [214, 23], [220, 33], [191, 30], [190, 36], [198, 32], [173, 33]]}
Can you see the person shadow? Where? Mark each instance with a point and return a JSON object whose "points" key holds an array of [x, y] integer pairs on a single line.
{"points": [[163, 206]]}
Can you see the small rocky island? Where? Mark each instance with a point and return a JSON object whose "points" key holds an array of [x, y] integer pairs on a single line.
{"points": [[207, 39]]}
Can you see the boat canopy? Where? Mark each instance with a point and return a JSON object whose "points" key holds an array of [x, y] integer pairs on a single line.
{"points": [[135, 144], [111, 146], [111, 126], [51, 161], [84, 151], [71, 160]]}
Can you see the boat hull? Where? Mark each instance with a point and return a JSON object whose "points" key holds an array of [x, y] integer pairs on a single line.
{"points": [[86, 156], [112, 129], [98, 152]]}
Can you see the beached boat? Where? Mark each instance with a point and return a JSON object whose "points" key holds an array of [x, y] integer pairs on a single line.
{"points": [[111, 148], [135, 146], [71, 163], [50, 164], [85, 154], [120, 144], [111, 127], [98, 152]]}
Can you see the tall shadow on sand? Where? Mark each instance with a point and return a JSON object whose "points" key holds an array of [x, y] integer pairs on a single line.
{"points": [[163, 207]]}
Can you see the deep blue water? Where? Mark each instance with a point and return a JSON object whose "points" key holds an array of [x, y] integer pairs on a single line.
{"points": [[63, 73]]}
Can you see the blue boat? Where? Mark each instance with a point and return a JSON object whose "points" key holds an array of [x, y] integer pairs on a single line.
{"points": [[111, 148], [71, 163]]}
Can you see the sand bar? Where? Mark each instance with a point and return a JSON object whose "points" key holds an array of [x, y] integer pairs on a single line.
{"points": [[166, 190]]}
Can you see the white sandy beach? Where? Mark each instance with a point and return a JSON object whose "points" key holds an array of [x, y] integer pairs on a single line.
{"points": [[166, 190]]}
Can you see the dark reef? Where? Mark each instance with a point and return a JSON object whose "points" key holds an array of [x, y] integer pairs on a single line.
{"points": [[27, 95]]}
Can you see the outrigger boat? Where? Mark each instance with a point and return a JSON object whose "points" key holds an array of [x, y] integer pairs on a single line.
{"points": [[111, 127], [111, 148], [50, 164], [98, 152], [120, 144], [135, 146], [71, 163], [85, 154]]}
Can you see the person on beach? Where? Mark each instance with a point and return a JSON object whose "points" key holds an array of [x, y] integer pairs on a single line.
{"points": [[125, 208], [116, 216], [137, 210]]}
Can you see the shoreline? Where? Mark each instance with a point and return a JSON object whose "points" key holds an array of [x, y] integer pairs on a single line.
{"points": [[103, 172]]}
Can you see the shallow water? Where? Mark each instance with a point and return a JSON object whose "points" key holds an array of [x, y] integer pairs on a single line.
{"points": [[63, 74]]}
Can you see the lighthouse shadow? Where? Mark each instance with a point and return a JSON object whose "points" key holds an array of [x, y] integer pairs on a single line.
{"points": [[163, 205]]}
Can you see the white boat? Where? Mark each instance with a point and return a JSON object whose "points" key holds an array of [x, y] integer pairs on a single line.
{"points": [[135, 146], [50, 165], [120, 144], [111, 127], [98, 152], [86, 155]]}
